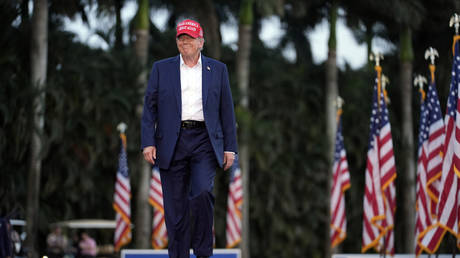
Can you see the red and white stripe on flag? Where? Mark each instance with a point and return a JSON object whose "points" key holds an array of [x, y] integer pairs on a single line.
{"points": [[379, 194], [429, 164], [340, 183], [448, 206], [122, 203], [159, 233], [234, 209]]}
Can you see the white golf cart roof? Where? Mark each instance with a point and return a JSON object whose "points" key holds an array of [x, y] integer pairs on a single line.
{"points": [[86, 223]]}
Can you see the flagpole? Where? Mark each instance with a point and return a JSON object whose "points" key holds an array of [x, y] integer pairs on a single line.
{"points": [[340, 183], [339, 103], [455, 22], [122, 234], [121, 127], [453, 239], [431, 53], [383, 251], [383, 81], [377, 57], [419, 80]]}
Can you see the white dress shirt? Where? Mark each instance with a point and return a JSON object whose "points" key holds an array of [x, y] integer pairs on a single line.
{"points": [[191, 91]]}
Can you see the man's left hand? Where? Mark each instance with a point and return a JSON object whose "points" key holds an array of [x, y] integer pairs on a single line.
{"points": [[229, 157]]}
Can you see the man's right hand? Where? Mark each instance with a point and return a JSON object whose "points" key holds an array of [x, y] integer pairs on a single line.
{"points": [[150, 154]]}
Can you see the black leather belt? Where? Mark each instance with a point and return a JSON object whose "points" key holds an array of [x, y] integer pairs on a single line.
{"points": [[190, 124]]}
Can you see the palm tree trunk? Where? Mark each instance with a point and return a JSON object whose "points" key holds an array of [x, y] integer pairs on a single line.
{"points": [[407, 175], [242, 73], [141, 31], [39, 60], [369, 37], [207, 16], [24, 11], [143, 210], [331, 123], [118, 25]]}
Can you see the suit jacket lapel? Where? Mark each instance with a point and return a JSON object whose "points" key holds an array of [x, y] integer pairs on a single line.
{"points": [[175, 70], [205, 78]]}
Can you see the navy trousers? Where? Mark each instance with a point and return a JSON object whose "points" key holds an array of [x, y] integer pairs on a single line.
{"points": [[187, 194]]}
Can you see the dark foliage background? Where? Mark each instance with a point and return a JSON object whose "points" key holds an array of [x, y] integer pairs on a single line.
{"points": [[89, 91]]}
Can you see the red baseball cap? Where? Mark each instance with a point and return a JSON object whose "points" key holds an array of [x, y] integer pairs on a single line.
{"points": [[189, 27]]}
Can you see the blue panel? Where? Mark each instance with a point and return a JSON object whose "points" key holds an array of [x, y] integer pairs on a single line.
{"points": [[128, 255], [146, 256]]}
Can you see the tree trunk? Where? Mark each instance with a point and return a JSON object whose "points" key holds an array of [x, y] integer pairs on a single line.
{"points": [[242, 73], [118, 25], [39, 60], [207, 17], [408, 174], [331, 121], [369, 37], [24, 12], [143, 211]]}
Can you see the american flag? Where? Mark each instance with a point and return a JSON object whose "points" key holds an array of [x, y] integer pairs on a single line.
{"points": [[234, 207], [447, 209], [379, 194], [159, 233], [122, 198], [340, 183], [429, 165]]}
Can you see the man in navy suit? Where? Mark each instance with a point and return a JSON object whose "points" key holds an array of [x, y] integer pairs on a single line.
{"points": [[188, 129]]}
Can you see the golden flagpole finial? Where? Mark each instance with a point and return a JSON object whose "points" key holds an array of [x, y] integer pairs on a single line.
{"points": [[377, 57], [339, 102], [431, 53], [419, 80], [455, 22], [122, 127], [385, 82]]}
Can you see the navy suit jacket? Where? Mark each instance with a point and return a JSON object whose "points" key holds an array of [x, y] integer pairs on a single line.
{"points": [[161, 118]]}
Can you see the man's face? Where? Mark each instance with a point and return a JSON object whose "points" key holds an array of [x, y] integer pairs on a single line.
{"points": [[188, 46]]}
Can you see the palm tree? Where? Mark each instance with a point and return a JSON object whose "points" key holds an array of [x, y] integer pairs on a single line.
{"points": [[39, 60], [409, 15], [242, 74], [141, 31], [331, 96], [118, 25], [408, 175], [207, 15], [246, 19], [111, 7], [143, 214]]}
